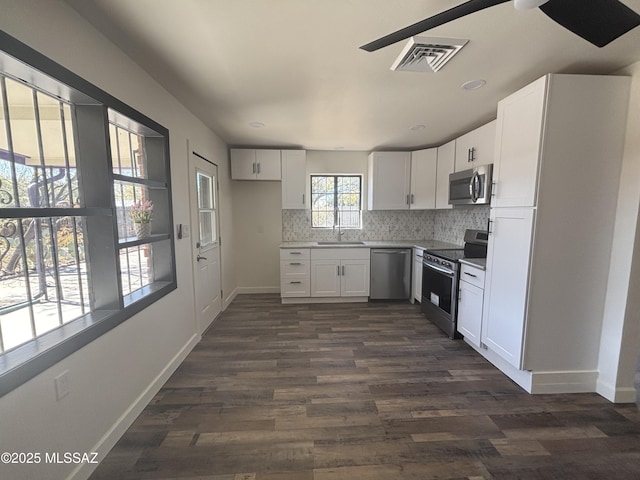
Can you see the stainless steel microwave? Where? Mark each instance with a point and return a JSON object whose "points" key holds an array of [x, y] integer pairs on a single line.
{"points": [[471, 187]]}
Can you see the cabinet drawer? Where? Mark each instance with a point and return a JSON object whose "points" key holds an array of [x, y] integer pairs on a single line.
{"points": [[472, 275], [294, 267], [295, 287], [294, 254]]}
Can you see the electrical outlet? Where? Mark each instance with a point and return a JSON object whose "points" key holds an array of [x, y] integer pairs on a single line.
{"points": [[186, 233], [62, 385]]}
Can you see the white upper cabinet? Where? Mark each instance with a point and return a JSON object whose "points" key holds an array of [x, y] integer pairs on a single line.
{"points": [[389, 181], [255, 164], [446, 162], [476, 147], [294, 172], [518, 139], [423, 179]]}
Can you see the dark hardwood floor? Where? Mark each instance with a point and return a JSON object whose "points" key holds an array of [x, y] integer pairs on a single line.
{"points": [[361, 392]]}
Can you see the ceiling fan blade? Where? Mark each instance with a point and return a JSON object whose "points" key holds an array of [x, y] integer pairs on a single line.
{"points": [[597, 21], [454, 13]]}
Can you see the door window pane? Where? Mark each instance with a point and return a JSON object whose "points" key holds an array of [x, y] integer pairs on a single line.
{"points": [[206, 209]]}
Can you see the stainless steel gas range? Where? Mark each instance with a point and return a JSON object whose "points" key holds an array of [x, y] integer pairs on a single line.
{"points": [[440, 278]]}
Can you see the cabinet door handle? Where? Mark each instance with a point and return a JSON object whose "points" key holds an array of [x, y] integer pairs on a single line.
{"points": [[295, 283], [407, 199], [303, 198], [258, 168], [254, 167], [489, 222], [343, 270], [412, 202], [338, 267], [295, 253], [295, 263], [471, 274]]}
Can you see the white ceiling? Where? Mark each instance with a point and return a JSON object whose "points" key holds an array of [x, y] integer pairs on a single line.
{"points": [[295, 65]]}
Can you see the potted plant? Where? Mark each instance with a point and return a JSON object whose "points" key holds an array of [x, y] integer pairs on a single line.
{"points": [[141, 213]]}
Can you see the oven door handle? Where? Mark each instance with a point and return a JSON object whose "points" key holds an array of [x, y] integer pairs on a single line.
{"points": [[441, 270]]}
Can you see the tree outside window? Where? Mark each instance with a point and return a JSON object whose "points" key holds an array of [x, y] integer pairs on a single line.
{"points": [[336, 201]]}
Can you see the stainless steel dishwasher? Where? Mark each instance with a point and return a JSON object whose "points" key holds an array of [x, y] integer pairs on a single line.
{"points": [[390, 274]]}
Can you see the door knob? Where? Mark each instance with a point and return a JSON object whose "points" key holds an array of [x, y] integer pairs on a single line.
{"points": [[198, 258]]}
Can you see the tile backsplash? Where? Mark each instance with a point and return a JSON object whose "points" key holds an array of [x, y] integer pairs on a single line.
{"points": [[443, 225], [449, 225]]}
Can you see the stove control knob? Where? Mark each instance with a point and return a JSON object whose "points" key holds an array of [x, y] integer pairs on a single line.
{"points": [[436, 261], [446, 264]]}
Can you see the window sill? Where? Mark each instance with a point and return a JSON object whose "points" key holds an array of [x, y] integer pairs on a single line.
{"points": [[134, 242], [21, 364]]}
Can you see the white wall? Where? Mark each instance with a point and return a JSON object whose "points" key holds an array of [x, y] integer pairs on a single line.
{"points": [[620, 340], [112, 378], [257, 224]]}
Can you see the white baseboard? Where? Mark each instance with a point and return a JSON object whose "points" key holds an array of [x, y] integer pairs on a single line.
{"points": [[230, 298], [616, 395], [575, 381], [299, 300], [521, 377], [111, 437], [245, 290]]}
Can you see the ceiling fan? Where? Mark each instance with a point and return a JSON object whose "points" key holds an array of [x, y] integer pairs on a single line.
{"points": [[597, 21]]}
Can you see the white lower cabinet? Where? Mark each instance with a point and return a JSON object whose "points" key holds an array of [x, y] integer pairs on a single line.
{"points": [[295, 279], [340, 272], [508, 264], [417, 274], [470, 302]]}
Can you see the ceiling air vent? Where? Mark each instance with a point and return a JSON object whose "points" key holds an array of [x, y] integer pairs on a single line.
{"points": [[425, 54]]}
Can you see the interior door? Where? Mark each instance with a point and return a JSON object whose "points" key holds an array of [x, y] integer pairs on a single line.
{"points": [[204, 218]]}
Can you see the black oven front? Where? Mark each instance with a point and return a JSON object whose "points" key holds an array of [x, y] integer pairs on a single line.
{"points": [[440, 292]]}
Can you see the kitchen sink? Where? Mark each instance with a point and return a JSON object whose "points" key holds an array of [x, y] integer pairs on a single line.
{"points": [[340, 243]]}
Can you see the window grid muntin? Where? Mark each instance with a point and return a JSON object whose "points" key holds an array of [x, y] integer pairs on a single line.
{"points": [[330, 191], [70, 280], [89, 103]]}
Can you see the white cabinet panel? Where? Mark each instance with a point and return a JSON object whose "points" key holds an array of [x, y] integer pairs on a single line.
{"points": [[474, 276], [243, 163], [446, 160], [470, 312], [294, 172], [295, 275], [340, 272], [255, 164], [268, 165], [476, 147], [518, 143], [325, 278], [506, 286], [423, 179], [389, 180], [354, 278]]}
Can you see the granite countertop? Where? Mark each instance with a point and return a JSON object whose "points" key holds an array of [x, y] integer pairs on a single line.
{"points": [[480, 263], [424, 243]]}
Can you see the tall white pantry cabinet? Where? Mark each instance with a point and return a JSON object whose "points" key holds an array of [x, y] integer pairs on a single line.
{"points": [[559, 144]]}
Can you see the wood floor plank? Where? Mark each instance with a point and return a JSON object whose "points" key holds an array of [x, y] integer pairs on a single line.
{"points": [[369, 391]]}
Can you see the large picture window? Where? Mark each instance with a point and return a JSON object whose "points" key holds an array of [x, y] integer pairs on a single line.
{"points": [[336, 201], [74, 165]]}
